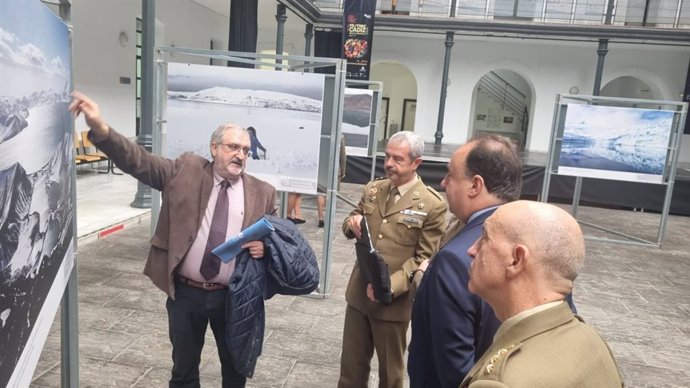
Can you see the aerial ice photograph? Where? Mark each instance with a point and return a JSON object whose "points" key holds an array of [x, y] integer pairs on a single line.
{"points": [[36, 181], [282, 110], [615, 143]]}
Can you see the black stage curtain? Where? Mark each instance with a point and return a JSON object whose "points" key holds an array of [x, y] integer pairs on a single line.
{"points": [[595, 192], [327, 44], [243, 28], [359, 171]]}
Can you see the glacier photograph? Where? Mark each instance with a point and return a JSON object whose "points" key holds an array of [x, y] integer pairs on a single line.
{"points": [[357, 106], [284, 108], [615, 142], [36, 181]]}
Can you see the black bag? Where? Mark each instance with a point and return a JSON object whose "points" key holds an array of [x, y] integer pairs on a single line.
{"points": [[373, 268]]}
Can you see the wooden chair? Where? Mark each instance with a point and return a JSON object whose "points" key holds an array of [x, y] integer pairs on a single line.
{"points": [[91, 150], [79, 157]]}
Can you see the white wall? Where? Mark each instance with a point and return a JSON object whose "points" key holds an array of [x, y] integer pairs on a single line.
{"points": [[186, 24], [398, 84], [100, 60], [423, 58], [629, 87], [293, 34]]}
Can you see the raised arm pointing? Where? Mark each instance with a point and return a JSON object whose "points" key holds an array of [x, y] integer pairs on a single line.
{"points": [[92, 115]]}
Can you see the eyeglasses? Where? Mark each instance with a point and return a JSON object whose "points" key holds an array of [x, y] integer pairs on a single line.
{"points": [[235, 148]]}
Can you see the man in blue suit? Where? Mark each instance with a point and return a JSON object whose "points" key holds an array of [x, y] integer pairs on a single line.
{"points": [[451, 327]]}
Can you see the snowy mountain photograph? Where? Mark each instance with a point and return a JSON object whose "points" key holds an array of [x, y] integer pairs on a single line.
{"points": [[36, 181], [284, 108], [357, 114], [615, 143]]}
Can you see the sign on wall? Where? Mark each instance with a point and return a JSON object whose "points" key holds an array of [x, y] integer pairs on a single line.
{"points": [[36, 182], [283, 108]]}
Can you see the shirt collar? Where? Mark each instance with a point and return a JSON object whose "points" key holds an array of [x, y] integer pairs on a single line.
{"points": [[480, 212], [402, 189], [217, 179]]}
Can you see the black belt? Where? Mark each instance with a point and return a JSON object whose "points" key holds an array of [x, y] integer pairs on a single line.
{"points": [[202, 285]]}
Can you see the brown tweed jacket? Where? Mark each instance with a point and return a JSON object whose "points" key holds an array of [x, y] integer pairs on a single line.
{"points": [[185, 184]]}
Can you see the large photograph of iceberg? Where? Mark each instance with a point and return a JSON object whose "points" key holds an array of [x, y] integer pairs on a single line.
{"points": [[357, 114], [36, 182], [616, 143], [283, 110]]}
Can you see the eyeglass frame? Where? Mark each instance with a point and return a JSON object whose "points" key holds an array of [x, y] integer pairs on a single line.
{"points": [[235, 148]]}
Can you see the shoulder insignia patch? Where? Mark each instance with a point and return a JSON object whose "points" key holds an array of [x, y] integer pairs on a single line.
{"points": [[491, 366], [434, 192]]}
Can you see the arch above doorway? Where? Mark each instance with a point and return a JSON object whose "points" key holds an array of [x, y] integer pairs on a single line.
{"points": [[629, 87], [657, 86], [400, 90], [501, 103]]}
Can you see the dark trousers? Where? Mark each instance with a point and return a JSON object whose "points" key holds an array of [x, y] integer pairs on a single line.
{"points": [[188, 316]]}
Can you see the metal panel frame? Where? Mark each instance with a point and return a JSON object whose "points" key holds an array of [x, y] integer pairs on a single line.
{"points": [[680, 112], [294, 63], [377, 87], [69, 317]]}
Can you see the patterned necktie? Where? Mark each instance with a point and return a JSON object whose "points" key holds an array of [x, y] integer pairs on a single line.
{"points": [[210, 265]]}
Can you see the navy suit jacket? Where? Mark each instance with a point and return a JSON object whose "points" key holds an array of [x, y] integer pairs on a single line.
{"points": [[451, 327]]}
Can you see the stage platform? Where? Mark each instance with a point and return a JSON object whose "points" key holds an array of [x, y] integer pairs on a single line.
{"points": [[595, 192]]}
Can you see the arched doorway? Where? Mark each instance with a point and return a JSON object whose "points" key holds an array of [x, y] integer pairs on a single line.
{"points": [[398, 110], [501, 101], [628, 87]]}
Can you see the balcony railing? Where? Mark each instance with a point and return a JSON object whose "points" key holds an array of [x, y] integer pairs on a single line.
{"points": [[647, 13]]}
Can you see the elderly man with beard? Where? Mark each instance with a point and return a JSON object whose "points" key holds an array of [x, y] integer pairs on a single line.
{"points": [[406, 221], [203, 202]]}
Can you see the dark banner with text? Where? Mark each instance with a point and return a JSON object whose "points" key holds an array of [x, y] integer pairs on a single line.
{"points": [[358, 33]]}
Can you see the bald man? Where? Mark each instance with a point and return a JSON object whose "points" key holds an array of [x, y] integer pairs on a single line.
{"points": [[523, 265]]}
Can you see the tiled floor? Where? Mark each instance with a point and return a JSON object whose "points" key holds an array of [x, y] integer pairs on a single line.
{"points": [[636, 297], [103, 201]]}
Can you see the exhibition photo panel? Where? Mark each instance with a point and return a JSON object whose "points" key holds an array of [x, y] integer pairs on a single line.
{"points": [[357, 113], [284, 108], [37, 182], [618, 143]]}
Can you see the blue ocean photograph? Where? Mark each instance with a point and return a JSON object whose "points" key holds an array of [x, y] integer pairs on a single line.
{"points": [[615, 142]]}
